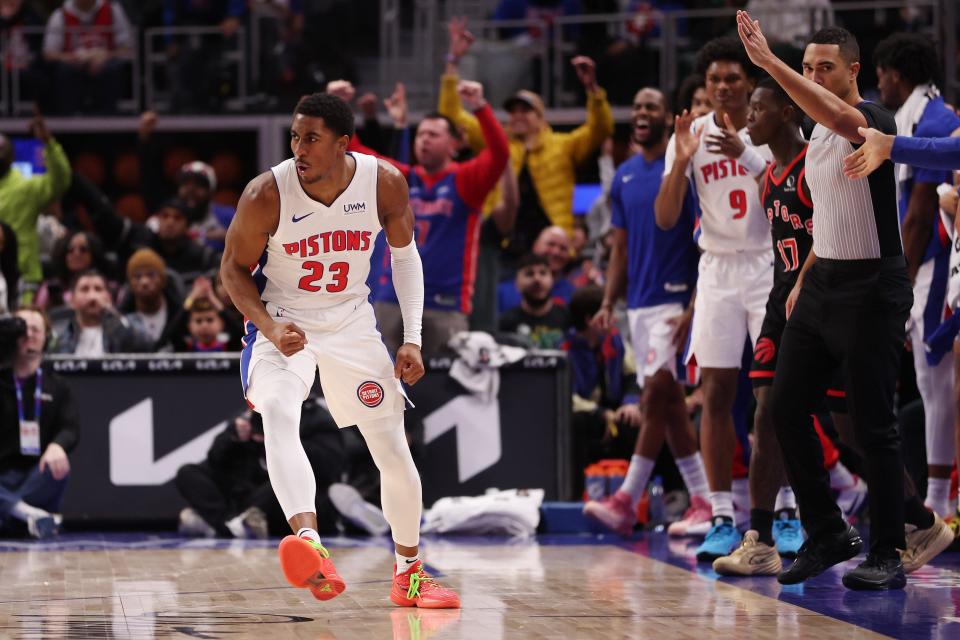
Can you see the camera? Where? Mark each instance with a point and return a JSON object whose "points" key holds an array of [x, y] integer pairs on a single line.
{"points": [[11, 329]]}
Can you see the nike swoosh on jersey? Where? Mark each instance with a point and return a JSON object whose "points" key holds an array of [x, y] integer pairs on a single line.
{"points": [[296, 219], [628, 178]]}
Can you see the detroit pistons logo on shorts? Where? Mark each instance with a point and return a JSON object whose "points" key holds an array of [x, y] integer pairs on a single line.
{"points": [[765, 350], [370, 393]]}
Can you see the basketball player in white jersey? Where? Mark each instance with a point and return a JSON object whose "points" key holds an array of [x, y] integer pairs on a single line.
{"points": [[715, 154], [296, 262]]}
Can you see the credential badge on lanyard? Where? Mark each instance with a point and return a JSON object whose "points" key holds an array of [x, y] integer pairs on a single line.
{"points": [[29, 429]]}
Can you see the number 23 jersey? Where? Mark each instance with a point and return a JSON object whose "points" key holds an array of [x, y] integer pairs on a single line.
{"points": [[319, 256], [731, 219]]}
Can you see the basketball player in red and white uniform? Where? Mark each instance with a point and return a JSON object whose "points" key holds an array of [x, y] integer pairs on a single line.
{"points": [[296, 263], [714, 155]]}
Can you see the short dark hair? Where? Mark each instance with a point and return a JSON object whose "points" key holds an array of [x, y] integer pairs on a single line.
{"points": [[839, 36], [725, 48], [451, 125], [531, 259], [584, 304], [779, 94], [687, 88], [336, 114], [89, 273], [911, 54]]}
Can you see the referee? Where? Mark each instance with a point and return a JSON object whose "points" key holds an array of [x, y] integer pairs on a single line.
{"points": [[851, 314]]}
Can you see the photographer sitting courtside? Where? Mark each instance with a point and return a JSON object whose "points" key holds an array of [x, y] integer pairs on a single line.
{"points": [[38, 428]]}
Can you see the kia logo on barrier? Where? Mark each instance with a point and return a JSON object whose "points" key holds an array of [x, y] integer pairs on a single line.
{"points": [[70, 365], [118, 365], [165, 365], [212, 365]]}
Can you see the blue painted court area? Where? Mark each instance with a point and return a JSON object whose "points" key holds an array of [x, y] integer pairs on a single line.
{"points": [[928, 608]]}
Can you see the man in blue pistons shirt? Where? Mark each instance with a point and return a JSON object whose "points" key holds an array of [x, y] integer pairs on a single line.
{"points": [[658, 270], [446, 198]]}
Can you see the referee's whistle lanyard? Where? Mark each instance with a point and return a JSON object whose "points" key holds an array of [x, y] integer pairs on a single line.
{"points": [[36, 397]]}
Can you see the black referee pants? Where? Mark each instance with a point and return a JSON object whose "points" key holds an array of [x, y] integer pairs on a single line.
{"points": [[850, 314]]}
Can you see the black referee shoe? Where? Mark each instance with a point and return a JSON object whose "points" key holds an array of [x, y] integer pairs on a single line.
{"points": [[880, 571], [816, 556]]}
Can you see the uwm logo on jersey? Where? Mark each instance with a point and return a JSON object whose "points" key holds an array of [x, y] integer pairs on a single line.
{"points": [[354, 207], [328, 242]]}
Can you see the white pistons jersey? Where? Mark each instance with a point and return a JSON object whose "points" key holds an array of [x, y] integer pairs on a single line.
{"points": [[732, 217], [319, 256]]}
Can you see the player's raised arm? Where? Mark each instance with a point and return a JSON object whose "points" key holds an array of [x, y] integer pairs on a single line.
{"points": [[258, 215], [396, 217], [673, 189], [816, 101]]}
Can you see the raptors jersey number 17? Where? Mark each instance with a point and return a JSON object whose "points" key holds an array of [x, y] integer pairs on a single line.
{"points": [[319, 256]]}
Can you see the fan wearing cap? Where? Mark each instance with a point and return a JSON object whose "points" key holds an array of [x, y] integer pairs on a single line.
{"points": [[545, 161], [208, 220], [196, 182]]}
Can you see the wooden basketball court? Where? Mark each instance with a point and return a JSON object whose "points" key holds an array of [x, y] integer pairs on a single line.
{"points": [[98, 586]]}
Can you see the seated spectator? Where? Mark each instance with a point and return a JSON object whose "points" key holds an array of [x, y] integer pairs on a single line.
{"points": [[172, 241], [22, 199], [537, 318], [554, 244], [38, 428], [605, 392], [229, 494], [93, 327], [73, 254], [152, 303], [204, 322], [89, 44], [582, 268], [206, 328], [9, 271], [196, 184]]}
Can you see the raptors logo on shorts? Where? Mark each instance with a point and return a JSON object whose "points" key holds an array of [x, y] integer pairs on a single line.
{"points": [[765, 350], [370, 394]]}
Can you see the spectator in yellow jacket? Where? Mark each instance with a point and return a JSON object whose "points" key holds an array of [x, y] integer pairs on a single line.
{"points": [[543, 160], [22, 199]]}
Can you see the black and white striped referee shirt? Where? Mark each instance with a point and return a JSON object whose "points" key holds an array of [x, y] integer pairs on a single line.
{"points": [[852, 219]]}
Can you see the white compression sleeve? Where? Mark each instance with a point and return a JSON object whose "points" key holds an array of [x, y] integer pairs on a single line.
{"points": [[408, 283], [400, 490], [279, 397]]}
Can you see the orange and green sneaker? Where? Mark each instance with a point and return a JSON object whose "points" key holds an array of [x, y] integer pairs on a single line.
{"points": [[417, 588], [306, 565]]}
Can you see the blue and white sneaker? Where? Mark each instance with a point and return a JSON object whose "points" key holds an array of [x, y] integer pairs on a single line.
{"points": [[787, 536], [720, 541]]}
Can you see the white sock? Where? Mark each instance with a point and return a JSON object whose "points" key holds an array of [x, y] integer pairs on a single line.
{"points": [[405, 562], [938, 496], [722, 504], [23, 511], [694, 475], [309, 534], [235, 526], [741, 494], [637, 477], [785, 500], [840, 477]]}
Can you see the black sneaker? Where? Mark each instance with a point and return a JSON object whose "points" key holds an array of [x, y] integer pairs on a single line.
{"points": [[878, 572], [818, 555]]}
